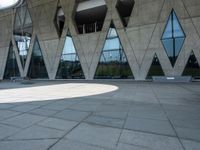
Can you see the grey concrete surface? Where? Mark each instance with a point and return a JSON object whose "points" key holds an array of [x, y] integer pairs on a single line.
{"points": [[116, 116]]}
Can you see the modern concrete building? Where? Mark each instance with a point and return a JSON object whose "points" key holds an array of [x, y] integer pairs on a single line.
{"points": [[94, 39]]}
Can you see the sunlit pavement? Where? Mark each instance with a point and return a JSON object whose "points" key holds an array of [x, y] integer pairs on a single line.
{"points": [[99, 116]]}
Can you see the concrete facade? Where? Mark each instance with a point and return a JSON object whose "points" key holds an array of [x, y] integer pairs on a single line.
{"points": [[140, 39]]}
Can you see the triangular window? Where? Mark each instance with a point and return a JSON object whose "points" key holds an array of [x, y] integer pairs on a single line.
{"points": [[70, 66], [37, 68], [155, 69], [192, 68], [113, 63]]}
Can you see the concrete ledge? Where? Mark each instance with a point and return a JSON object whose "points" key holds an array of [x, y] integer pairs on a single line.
{"points": [[172, 78], [14, 79], [22, 79]]}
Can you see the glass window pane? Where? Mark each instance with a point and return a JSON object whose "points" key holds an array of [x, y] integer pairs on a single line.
{"points": [[112, 32], [70, 66], [113, 63], [155, 69], [178, 32], [178, 45], [69, 46], [37, 68], [69, 57], [12, 69], [192, 68], [168, 44], [168, 29], [112, 44]]}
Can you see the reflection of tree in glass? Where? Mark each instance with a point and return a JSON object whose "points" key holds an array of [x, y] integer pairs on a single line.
{"points": [[113, 62]]}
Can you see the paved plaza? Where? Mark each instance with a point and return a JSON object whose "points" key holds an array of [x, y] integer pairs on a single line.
{"points": [[101, 115]]}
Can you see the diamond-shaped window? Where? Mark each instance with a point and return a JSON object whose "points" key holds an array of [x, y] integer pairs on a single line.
{"points": [[59, 20], [173, 37], [90, 15], [124, 8], [23, 31]]}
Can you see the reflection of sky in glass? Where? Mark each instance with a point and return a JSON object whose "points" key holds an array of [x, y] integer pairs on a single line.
{"points": [[112, 44], [168, 43], [116, 55], [112, 33], [177, 27], [69, 57], [69, 51], [69, 46], [112, 50], [173, 28], [168, 29], [23, 43], [178, 45], [173, 36]]}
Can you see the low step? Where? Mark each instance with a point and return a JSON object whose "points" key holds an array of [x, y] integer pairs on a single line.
{"points": [[172, 78]]}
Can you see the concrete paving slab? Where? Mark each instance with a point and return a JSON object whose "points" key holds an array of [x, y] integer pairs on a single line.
{"points": [[148, 114], [99, 120], [151, 141], [96, 135], [85, 107], [190, 145], [58, 124], [73, 115], [150, 125], [6, 106], [24, 120], [43, 112], [122, 146], [6, 131], [37, 132], [112, 114], [25, 108], [72, 145], [4, 114], [187, 133], [27, 144]]}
